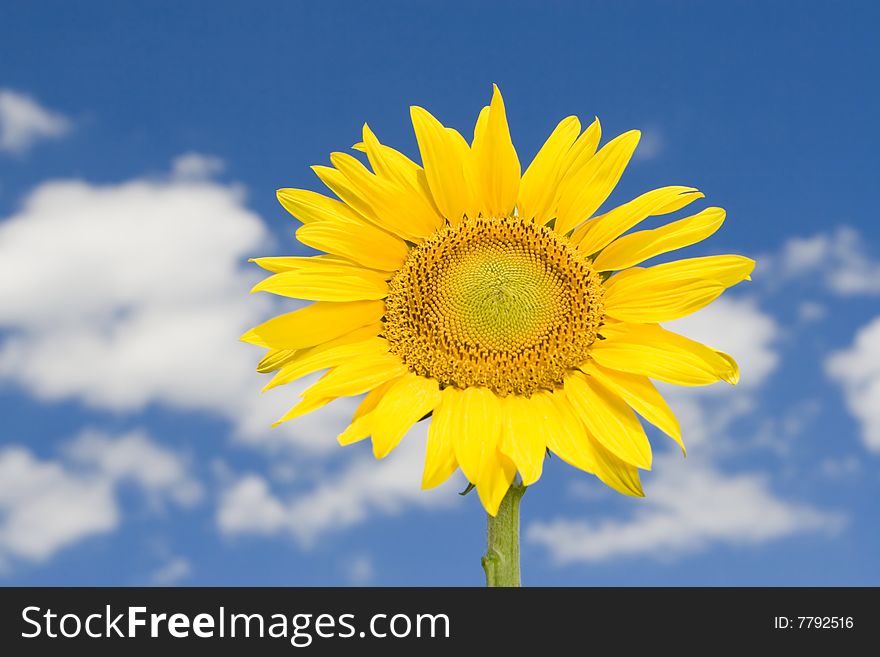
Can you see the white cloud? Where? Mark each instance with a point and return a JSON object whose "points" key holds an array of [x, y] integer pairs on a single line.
{"points": [[45, 508], [689, 507], [364, 487], [845, 467], [136, 293], [196, 166], [783, 430], [134, 457], [651, 144], [857, 369], [48, 505], [172, 572], [360, 570], [837, 258], [23, 121], [810, 311], [800, 255], [249, 507]]}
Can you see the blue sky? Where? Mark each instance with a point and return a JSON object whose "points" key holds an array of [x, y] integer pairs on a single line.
{"points": [[140, 147]]}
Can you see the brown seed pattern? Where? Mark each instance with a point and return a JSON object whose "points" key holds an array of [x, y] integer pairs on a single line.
{"points": [[496, 302]]}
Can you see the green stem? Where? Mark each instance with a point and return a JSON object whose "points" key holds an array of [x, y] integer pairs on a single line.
{"points": [[501, 562]]}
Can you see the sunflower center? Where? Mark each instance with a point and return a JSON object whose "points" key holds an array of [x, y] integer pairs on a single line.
{"points": [[496, 302]]}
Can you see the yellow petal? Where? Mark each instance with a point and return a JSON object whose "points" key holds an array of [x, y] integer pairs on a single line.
{"points": [[353, 379], [362, 243], [476, 428], [481, 126], [539, 188], [314, 324], [327, 281], [574, 445], [476, 204], [570, 442], [652, 351], [522, 435], [608, 418], [674, 289], [360, 423], [358, 430], [497, 475], [582, 151], [310, 206], [440, 460], [388, 162], [495, 160], [393, 165], [357, 375], [306, 405], [638, 391], [371, 399], [599, 232], [647, 304], [278, 264], [614, 472], [610, 326], [441, 159], [396, 207], [727, 270], [350, 194], [585, 191], [406, 402], [636, 247], [274, 359], [361, 341], [620, 277]]}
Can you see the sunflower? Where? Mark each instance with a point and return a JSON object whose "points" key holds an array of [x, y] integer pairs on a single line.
{"points": [[496, 303]]}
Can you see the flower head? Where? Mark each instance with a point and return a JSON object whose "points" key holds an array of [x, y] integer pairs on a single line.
{"points": [[496, 303]]}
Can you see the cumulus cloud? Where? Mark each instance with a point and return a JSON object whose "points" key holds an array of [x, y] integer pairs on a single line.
{"points": [[838, 258], [857, 369], [134, 457], [845, 467], [45, 508], [810, 311], [48, 505], [363, 487], [172, 572], [360, 570], [651, 144], [136, 293], [23, 122], [689, 508], [196, 166], [248, 506], [782, 431]]}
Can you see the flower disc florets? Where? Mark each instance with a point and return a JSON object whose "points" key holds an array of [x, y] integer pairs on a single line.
{"points": [[501, 303]]}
